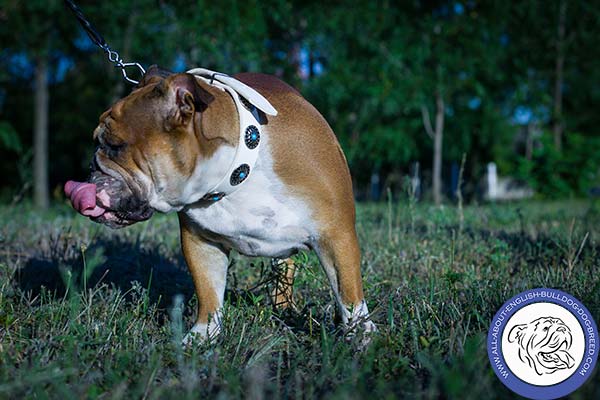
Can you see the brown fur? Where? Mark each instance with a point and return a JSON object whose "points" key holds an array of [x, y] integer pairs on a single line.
{"points": [[282, 293], [202, 257], [149, 127], [306, 154], [308, 159]]}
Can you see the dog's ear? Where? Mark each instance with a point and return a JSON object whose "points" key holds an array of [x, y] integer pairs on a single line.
{"points": [[516, 333], [187, 97], [153, 74]]}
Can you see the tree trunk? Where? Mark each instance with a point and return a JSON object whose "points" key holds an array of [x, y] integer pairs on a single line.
{"points": [[558, 126], [438, 139], [40, 135], [529, 142], [437, 135]]}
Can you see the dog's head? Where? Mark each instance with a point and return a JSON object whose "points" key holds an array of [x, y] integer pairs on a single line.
{"points": [[148, 146], [544, 344]]}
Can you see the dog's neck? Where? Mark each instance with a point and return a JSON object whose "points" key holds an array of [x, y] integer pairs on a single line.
{"points": [[246, 153], [251, 119]]}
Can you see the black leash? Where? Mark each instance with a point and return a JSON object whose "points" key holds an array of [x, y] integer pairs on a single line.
{"points": [[98, 40]]}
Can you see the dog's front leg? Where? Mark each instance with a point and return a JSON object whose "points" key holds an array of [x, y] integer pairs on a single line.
{"points": [[207, 263]]}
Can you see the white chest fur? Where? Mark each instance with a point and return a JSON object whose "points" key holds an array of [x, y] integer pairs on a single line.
{"points": [[262, 218]]}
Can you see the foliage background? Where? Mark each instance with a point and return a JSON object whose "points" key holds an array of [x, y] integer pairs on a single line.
{"points": [[369, 67]]}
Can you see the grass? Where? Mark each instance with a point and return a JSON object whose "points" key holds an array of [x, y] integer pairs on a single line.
{"points": [[89, 312]]}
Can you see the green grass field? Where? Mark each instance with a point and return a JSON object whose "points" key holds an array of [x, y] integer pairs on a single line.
{"points": [[86, 312]]}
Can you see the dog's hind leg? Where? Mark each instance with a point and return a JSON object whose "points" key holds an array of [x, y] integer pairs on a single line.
{"points": [[282, 290], [339, 255]]}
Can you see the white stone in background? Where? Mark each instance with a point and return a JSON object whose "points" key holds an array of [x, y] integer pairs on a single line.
{"points": [[492, 181], [505, 188]]}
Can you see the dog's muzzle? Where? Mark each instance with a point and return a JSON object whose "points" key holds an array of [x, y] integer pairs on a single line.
{"points": [[107, 200]]}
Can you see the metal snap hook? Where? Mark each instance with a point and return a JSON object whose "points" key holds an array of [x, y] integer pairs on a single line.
{"points": [[123, 66]]}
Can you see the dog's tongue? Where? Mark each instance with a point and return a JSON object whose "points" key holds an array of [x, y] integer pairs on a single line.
{"points": [[564, 359], [83, 198]]}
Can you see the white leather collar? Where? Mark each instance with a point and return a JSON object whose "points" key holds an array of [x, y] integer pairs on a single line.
{"points": [[244, 90], [248, 102]]}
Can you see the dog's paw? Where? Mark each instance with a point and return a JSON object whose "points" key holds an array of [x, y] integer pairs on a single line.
{"points": [[360, 333], [359, 327], [369, 327], [368, 330], [192, 338], [200, 333]]}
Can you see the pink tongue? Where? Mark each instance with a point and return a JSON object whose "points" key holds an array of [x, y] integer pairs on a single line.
{"points": [[83, 198]]}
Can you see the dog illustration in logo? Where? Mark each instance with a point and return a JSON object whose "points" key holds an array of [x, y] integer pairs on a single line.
{"points": [[544, 344]]}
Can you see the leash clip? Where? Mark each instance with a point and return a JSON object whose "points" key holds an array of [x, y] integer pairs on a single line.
{"points": [[114, 58], [99, 41], [131, 64]]}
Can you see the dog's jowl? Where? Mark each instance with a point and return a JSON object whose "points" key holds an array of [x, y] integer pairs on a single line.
{"points": [[246, 162]]}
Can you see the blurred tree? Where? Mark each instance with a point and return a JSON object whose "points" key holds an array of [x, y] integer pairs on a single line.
{"points": [[555, 62], [356, 82], [556, 80], [455, 58], [40, 133], [468, 73], [557, 118], [51, 63], [386, 66], [31, 33]]}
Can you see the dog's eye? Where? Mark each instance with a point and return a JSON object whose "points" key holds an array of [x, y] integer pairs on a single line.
{"points": [[546, 329], [114, 146], [112, 143]]}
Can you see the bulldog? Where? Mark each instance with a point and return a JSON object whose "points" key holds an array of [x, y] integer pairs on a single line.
{"points": [[247, 164], [544, 344]]}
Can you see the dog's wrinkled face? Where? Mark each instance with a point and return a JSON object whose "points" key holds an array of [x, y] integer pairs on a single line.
{"points": [[141, 163], [544, 344]]}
